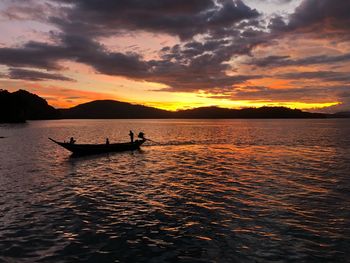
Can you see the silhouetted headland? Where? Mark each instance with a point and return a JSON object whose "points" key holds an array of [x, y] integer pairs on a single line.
{"points": [[21, 105]]}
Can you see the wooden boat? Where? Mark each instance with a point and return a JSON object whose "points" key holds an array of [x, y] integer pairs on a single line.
{"points": [[86, 149]]}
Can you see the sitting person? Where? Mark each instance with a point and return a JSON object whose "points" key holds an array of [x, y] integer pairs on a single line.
{"points": [[141, 136], [71, 141]]}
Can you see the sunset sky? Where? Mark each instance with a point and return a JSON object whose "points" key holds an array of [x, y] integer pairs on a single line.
{"points": [[175, 54]]}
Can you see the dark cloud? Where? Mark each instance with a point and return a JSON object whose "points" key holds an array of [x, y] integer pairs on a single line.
{"points": [[33, 75], [276, 1], [183, 18], [32, 54], [315, 19], [307, 94], [329, 76], [188, 68], [283, 61], [84, 50], [277, 23], [322, 14], [319, 18], [203, 64], [74, 97], [76, 48]]}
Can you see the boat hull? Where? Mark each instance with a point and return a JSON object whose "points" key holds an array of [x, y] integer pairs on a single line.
{"points": [[88, 149]]}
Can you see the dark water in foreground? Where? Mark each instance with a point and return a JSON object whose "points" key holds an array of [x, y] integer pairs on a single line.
{"points": [[211, 191]]}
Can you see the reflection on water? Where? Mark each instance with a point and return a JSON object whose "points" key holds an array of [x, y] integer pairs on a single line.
{"points": [[210, 191]]}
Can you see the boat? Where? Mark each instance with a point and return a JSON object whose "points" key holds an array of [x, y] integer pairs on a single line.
{"points": [[86, 149]]}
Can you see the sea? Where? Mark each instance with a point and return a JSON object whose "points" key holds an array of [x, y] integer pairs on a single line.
{"points": [[200, 191]]}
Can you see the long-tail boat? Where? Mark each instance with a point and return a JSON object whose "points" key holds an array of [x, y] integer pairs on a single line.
{"points": [[86, 149]]}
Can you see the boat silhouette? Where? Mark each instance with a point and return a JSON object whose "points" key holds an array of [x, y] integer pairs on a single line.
{"points": [[86, 149]]}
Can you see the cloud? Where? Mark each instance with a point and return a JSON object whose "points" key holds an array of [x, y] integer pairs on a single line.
{"points": [[308, 94], [183, 18], [76, 48], [276, 1], [29, 10], [284, 61], [84, 50], [329, 76], [319, 18], [24, 74], [343, 98], [189, 66], [321, 13], [181, 72], [212, 36], [32, 54]]}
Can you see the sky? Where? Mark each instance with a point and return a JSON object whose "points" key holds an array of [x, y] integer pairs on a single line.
{"points": [[179, 54]]}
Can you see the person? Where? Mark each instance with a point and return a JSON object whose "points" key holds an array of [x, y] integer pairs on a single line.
{"points": [[107, 141], [71, 141], [141, 135], [131, 134]]}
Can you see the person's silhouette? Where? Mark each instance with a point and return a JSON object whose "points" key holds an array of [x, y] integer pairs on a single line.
{"points": [[71, 141], [107, 141], [141, 135], [131, 134]]}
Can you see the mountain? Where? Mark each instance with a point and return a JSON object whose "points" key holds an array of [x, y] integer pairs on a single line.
{"points": [[22, 105], [109, 109], [342, 114], [248, 113]]}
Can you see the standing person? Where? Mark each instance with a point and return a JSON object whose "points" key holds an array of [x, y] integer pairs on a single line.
{"points": [[107, 141], [131, 134], [71, 141]]}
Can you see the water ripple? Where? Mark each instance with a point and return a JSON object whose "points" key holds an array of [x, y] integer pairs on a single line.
{"points": [[223, 200]]}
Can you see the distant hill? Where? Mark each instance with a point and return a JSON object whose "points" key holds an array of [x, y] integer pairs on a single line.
{"points": [[343, 114], [109, 109], [248, 113], [21, 105]]}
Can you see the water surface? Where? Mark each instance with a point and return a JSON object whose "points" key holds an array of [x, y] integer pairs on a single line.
{"points": [[207, 191]]}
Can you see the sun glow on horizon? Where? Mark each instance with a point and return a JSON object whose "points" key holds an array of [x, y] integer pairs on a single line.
{"points": [[175, 106], [60, 97], [243, 104]]}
